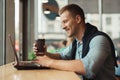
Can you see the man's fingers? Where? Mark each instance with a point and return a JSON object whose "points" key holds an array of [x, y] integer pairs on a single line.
{"points": [[35, 48], [45, 46], [34, 44]]}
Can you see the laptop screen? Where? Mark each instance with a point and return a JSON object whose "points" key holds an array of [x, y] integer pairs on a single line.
{"points": [[13, 47]]}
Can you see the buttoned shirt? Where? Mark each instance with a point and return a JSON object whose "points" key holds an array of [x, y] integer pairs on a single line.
{"points": [[98, 62]]}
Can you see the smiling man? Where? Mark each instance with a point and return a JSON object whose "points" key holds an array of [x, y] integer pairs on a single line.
{"points": [[92, 52]]}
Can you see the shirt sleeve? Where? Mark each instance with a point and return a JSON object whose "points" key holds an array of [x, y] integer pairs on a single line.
{"points": [[66, 53], [98, 52]]}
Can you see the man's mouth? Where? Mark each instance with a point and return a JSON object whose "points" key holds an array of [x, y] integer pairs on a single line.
{"points": [[67, 31]]}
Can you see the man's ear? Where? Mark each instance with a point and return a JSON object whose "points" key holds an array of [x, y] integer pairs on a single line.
{"points": [[78, 19]]}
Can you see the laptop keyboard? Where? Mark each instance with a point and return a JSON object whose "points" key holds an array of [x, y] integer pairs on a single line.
{"points": [[28, 63]]}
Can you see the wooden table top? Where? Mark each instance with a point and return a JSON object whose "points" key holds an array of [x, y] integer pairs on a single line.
{"points": [[8, 72]]}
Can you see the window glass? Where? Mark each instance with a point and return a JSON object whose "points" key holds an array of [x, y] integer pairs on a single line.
{"points": [[49, 22], [111, 21], [1, 33]]}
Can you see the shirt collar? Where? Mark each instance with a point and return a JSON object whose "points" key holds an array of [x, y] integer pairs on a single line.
{"points": [[78, 42]]}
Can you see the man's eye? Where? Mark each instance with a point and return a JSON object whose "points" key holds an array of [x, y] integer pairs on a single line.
{"points": [[65, 21]]}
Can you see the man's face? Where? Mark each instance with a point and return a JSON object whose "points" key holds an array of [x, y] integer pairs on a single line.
{"points": [[69, 24]]}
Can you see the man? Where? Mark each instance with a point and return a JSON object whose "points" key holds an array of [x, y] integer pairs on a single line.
{"points": [[91, 54]]}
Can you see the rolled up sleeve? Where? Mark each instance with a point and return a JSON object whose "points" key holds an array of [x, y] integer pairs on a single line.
{"points": [[66, 54]]}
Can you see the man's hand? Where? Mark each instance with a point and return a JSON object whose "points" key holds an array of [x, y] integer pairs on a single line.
{"points": [[44, 60], [35, 49], [41, 57]]}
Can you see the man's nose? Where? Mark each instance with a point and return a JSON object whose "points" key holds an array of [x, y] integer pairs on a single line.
{"points": [[63, 26]]}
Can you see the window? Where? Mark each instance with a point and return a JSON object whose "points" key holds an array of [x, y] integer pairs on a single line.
{"points": [[108, 20], [50, 28]]}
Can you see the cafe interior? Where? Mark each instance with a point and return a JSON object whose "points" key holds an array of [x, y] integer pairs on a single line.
{"points": [[28, 20]]}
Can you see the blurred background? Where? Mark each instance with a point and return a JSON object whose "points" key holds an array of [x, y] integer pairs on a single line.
{"points": [[28, 20]]}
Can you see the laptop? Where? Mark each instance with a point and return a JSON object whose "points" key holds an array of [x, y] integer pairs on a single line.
{"points": [[24, 65]]}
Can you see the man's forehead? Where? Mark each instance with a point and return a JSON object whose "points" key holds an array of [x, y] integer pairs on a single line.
{"points": [[65, 15]]}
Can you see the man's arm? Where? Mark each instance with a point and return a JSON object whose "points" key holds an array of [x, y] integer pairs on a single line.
{"points": [[67, 65], [53, 56], [53, 61]]}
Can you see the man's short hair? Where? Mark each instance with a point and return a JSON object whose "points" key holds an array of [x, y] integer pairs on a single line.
{"points": [[74, 10]]}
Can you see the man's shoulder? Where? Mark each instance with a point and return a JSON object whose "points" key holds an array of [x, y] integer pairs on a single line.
{"points": [[100, 35], [99, 39]]}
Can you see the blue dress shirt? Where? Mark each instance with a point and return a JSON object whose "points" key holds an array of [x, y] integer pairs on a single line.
{"points": [[99, 62]]}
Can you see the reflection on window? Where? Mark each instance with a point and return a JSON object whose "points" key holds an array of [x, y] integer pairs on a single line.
{"points": [[109, 33], [17, 25], [93, 19], [119, 20], [119, 34], [49, 24], [50, 28], [111, 24], [108, 20]]}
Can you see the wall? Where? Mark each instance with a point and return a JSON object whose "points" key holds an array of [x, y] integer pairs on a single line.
{"points": [[10, 27], [1, 33]]}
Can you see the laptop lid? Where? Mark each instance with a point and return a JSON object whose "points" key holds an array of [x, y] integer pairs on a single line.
{"points": [[13, 47]]}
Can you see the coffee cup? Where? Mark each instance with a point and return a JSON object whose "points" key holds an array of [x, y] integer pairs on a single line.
{"points": [[40, 44]]}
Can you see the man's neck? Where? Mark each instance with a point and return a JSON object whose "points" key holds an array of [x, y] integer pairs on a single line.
{"points": [[81, 31]]}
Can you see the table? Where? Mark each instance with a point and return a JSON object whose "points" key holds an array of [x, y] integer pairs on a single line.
{"points": [[8, 72]]}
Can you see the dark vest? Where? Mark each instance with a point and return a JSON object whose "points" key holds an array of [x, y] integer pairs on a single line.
{"points": [[90, 32]]}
